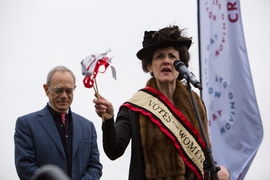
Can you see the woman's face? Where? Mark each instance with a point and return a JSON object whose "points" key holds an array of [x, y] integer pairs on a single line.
{"points": [[162, 64]]}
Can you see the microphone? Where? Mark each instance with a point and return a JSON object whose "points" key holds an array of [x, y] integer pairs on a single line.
{"points": [[189, 76]]}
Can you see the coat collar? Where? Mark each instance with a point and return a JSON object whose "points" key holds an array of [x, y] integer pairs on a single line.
{"points": [[47, 121]]}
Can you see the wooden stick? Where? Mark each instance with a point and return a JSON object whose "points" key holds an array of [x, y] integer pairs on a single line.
{"points": [[96, 91]]}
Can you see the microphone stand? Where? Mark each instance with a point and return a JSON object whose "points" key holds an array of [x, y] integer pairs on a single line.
{"points": [[209, 163]]}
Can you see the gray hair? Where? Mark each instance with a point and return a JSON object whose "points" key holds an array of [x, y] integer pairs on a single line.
{"points": [[59, 68]]}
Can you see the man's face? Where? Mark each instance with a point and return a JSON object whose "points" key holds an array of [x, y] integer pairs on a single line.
{"points": [[60, 91]]}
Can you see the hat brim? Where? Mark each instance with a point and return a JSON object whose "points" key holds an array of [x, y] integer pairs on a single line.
{"points": [[142, 53]]}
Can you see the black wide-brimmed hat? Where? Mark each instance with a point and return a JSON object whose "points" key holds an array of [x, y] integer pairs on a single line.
{"points": [[168, 36]]}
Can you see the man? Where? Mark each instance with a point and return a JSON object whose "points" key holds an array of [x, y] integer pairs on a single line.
{"points": [[56, 135]]}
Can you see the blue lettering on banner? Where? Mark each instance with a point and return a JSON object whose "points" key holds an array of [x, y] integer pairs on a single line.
{"points": [[220, 13], [218, 93]]}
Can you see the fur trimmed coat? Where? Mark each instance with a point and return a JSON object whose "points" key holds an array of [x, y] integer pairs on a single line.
{"points": [[153, 155]]}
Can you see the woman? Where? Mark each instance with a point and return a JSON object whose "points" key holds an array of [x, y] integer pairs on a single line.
{"points": [[160, 120]]}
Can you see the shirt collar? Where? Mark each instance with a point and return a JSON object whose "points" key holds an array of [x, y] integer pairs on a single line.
{"points": [[53, 112]]}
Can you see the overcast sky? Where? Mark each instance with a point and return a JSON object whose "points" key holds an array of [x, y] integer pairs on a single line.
{"points": [[36, 36]]}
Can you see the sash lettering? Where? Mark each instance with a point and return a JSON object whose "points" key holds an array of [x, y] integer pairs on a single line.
{"points": [[173, 123]]}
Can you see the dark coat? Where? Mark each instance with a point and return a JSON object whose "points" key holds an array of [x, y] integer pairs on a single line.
{"points": [[37, 142], [116, 140], [127, 127]]}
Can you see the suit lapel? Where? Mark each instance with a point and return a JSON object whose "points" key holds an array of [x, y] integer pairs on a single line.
{"points": [[77, 128], [48, 123]]}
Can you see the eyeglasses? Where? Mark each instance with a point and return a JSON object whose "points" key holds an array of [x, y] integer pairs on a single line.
{"points": [[61, 90]]}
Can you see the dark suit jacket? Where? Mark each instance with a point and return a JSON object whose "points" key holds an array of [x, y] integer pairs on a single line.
{"points": [[37, 142]]}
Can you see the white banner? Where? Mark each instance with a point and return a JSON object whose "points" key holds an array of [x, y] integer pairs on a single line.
{"points": [[234, 120]]}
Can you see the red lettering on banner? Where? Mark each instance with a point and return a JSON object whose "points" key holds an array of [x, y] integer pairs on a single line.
{"points": [[215, 2], [214, 117], [233, 17], [217, 52], [219, 112]]}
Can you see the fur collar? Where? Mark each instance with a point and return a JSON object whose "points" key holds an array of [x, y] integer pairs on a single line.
{"points": [[162, 160]]}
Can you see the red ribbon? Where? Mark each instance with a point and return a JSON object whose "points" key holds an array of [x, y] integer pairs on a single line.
{"points": [[88, 81]]}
